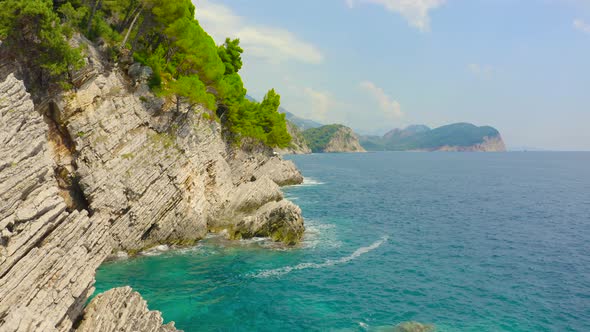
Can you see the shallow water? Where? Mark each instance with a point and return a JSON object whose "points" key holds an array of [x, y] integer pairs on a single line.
{"points": [[468, 242]]}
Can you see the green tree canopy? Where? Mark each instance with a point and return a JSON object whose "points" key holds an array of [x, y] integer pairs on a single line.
{"points": [[33, 32], [163, 34], [231, 55]]}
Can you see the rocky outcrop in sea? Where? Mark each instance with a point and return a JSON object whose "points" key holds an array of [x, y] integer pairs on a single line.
{"points": [[107, 168]]}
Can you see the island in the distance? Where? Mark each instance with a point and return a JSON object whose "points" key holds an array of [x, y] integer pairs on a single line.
{"points": [[458, 137]]}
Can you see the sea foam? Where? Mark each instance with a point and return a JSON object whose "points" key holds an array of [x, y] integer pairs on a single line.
{"points": [[155, 251], [319, 235], [330, 262], [309, 182]]}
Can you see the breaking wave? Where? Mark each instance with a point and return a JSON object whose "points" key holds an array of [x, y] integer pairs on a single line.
{"points": [[330, 262], [318, 235], [309, 182]]}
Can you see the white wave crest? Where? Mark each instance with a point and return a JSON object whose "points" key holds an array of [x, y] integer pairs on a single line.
{"points": [[330, 262], [308, 182], [318, 235], [311, 182], [155, 251]]}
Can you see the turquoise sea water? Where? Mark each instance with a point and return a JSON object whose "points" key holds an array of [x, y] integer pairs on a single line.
{"points": [[468, 242]]}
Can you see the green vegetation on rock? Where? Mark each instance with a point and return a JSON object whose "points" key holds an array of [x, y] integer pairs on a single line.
{"points": [[298, 144], [333, 138], [414, 327], [318, 138], [188, 67], [32, 32], [423, 138]]}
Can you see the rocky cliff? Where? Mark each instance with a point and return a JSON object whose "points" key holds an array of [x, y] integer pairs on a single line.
{"points": [[489, 144], [344, 140], [298, 143], [332, 138], [108, 167]]}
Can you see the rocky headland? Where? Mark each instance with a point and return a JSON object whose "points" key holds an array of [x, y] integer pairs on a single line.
{"points": [[458, 137], [332, 138], [107, 168]]}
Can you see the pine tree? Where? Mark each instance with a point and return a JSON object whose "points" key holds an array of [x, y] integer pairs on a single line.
{"points": [[33, 33]]}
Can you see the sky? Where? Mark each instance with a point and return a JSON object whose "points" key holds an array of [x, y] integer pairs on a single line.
{"points": [[521, 66]]}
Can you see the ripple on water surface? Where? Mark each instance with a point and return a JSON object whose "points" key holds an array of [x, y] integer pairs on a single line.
{"points": [[467, 242]]}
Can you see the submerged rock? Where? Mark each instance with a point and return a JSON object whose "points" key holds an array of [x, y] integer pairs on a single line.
{"points": [[413, 327]]}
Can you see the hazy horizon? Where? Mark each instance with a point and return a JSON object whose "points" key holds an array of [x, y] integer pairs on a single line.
{"points": [[375, 65]]}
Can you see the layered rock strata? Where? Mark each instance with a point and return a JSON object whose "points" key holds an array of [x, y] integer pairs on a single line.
{"points": [[107, 168], [122, 309], [48, 254]]}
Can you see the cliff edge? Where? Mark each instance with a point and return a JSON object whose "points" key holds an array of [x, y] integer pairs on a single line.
{"points": [[298, 144], [108, 167]]}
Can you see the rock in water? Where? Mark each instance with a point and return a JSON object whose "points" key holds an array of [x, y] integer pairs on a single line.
{"points": [[122, 309], [281, 221], [413, 327]]}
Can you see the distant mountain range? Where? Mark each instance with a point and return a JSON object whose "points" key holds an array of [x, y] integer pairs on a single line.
{"points": [[309, 135], [454, 137], [302, 123]]}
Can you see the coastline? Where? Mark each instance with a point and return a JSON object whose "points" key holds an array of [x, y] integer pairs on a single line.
{"points": [[106, 172]]}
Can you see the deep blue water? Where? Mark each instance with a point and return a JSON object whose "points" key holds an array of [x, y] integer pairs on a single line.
{"points": [[467, 242]]}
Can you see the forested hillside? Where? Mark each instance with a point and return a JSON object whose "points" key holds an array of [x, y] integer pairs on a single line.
{"points": [[458, 136]]}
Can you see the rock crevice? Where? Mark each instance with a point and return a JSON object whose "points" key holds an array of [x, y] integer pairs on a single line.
{"points": [[108, 168]]}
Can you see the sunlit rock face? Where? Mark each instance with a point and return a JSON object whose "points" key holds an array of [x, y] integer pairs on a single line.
{"points": [[109, 168]]}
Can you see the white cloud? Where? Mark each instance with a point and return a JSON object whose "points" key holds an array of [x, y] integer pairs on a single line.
{"points": [[416, 12], [582, 26], [270, 43], [391, 108], [480, 70], [321, 103]]}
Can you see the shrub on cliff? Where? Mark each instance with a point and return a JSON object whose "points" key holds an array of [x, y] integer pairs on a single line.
{"points": [[32, 32], [189, 68]]}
